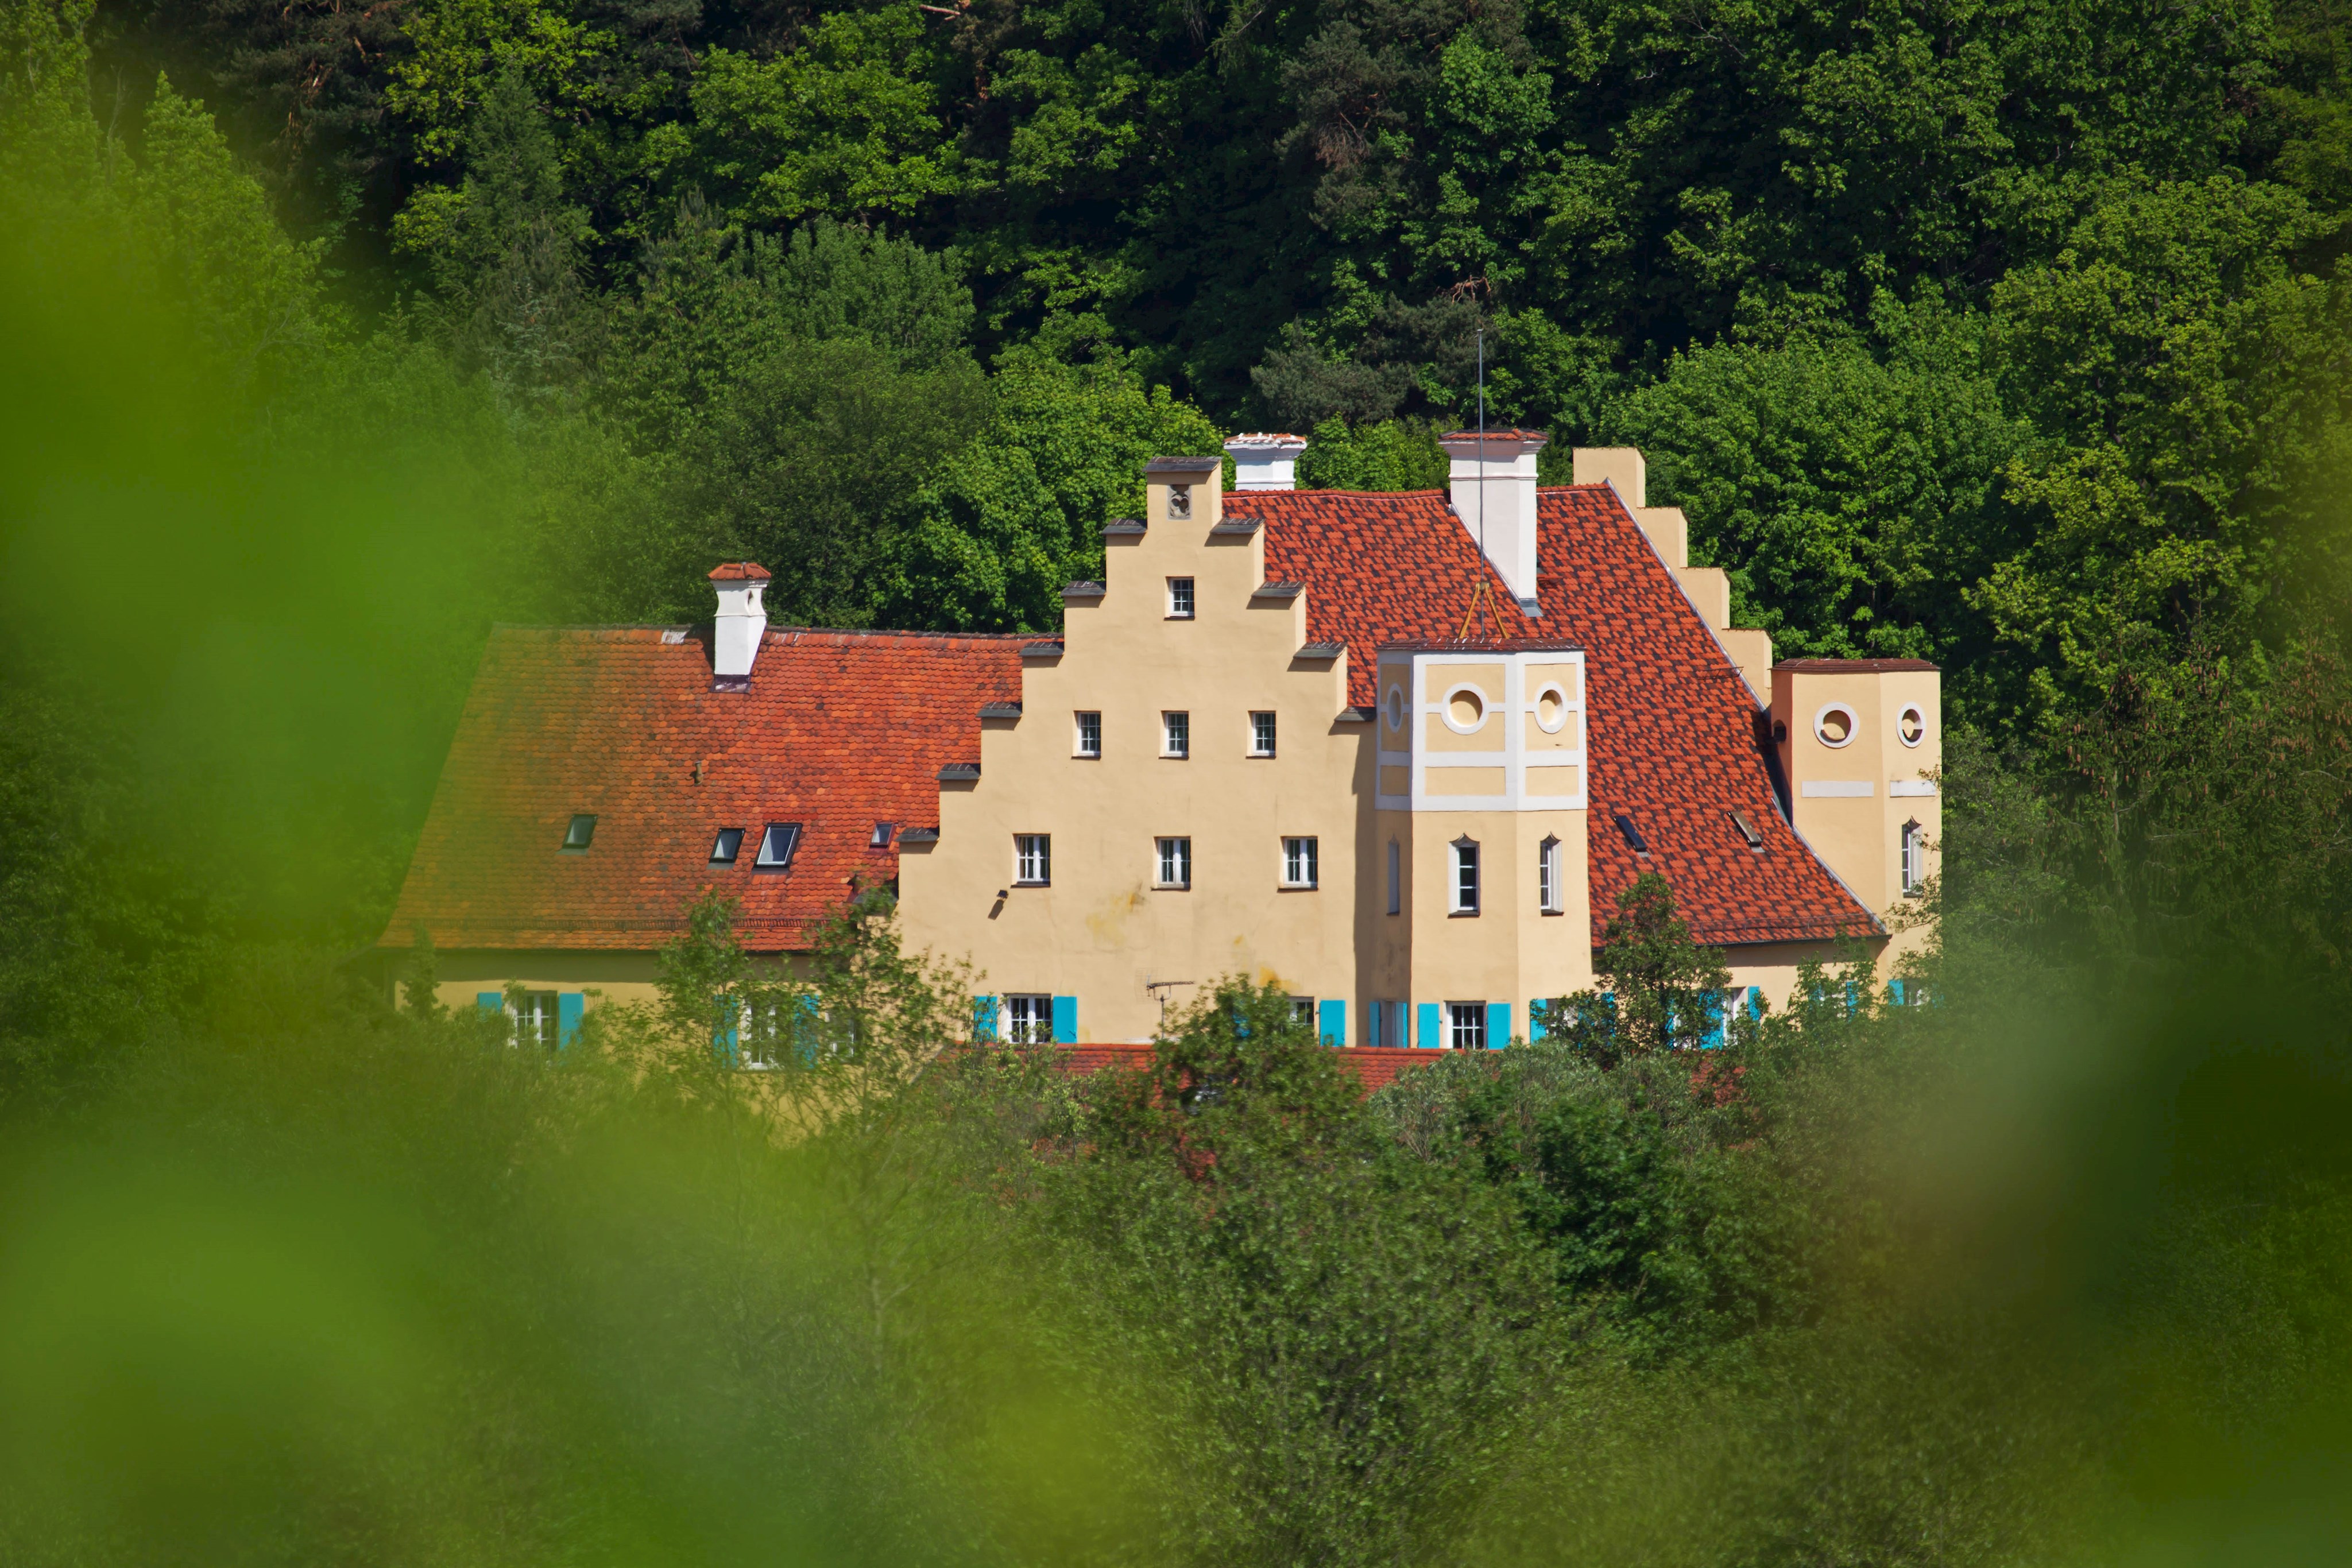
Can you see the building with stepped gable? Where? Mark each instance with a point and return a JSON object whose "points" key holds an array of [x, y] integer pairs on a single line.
{"points": [[1397, 752]]}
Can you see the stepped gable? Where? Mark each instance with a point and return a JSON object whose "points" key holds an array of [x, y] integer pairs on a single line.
{"points": [[838, 730], [1673, 738]]}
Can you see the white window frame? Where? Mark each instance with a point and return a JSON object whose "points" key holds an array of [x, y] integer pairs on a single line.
{"points": [[1262, 733], [1176, 734], [538, 1019], [1466, 1026], [1548, 893], [1028, 1019], [1182, 598], [1033, 860], [1172, 862], [1467, 873], [1302, 1010], [1301, 861], [1396, 878], [1911, 866], [1088, 742]]}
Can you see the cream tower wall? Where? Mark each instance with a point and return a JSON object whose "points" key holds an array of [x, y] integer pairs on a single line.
{"points": [[1102, 932], [1853, 801]]}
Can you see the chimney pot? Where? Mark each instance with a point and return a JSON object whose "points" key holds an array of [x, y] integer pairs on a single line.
{"points": [[1265, 460], [743, 619]]}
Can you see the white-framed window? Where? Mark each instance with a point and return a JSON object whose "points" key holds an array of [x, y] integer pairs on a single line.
{"points": [[1175, 863], [1547, 888], [1299, 862], [1180, 596], [1032, 859], [1089, 739], [1915, 858], [1029, 1019], [1465, 1025], [1179, 501], [1302, 1010], [1261, 735], [1466, 876], [1175, 735], [535, 1020], [1396, 878]]}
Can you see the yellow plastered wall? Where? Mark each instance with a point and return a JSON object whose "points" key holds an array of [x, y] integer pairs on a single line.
{"points": [[1101, 930], [1854, 802]]}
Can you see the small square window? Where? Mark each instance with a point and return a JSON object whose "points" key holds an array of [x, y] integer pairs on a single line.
{"points": [[1032, 859], [579, 835], [881, 838], [1029, 1020], [1089, 735], [1180, 599], [1298, 863], [727, 846], [1175, 867], [1465, 1025], [1261, 735], [1302, 1010], [778, 844], [1176, 735]]}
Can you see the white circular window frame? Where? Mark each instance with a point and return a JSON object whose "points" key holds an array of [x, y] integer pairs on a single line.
{"points": [[1553, 690], [1852, 725], [1911, 710], [1445, 708], [1392, 711]]}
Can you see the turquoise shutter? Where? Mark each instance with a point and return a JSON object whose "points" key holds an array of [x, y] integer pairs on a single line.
{"points": [[490, 1001], [804, 1029], [1537, 1011], [1066, 1021], [1429, 1037], [569, 1006], [1334, 1022], [726, 1027], [984, 1019], [1895, 992], [1756, 1002], [1711, 1038], [1851, 999], [1498, 1024]]}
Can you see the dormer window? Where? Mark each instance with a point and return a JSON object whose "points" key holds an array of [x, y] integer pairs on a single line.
{"points": [[727, 846], [579, 835], [778, 842]]}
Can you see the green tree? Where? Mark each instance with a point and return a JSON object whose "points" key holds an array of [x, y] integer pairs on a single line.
{"points": [[1658, 989]]}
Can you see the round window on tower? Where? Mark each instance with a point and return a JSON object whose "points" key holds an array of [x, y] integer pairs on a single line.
{"points": [[1835, 725], [1551, 708], [1396, 707], [1911, 724], [1466, 710]]}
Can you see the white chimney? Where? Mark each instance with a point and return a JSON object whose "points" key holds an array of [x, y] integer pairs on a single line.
{"points": [[741, 623], [1266, 461], [1494, 495]]}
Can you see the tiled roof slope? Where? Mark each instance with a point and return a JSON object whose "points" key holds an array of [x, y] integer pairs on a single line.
{"points": [[1374, 1066], [838, 731], [1672, 735]]}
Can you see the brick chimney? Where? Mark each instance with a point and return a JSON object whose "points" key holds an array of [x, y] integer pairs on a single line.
{"points": [[1265, 460], [741, 620], [1494, 494]]}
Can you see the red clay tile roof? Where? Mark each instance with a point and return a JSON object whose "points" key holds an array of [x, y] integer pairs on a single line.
{"points": [[1672, 737], [838, 731], [739, 570], [1375, 1066]]}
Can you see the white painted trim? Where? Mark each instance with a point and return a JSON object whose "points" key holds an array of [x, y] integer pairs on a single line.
{"points": [[1544, 690], [1446, 707], [1852, 725], [1911, 787], [1835, 788], [1514, 757], [1906, 711]]}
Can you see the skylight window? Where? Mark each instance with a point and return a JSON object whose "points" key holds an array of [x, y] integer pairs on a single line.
{"points": [[1747, 830], [1632, 835], [727, 846], [881, 838], [777, 845], [579, 835]]}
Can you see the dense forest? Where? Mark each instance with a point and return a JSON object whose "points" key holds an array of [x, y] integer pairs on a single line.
{"points": [[2019, 337]]}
